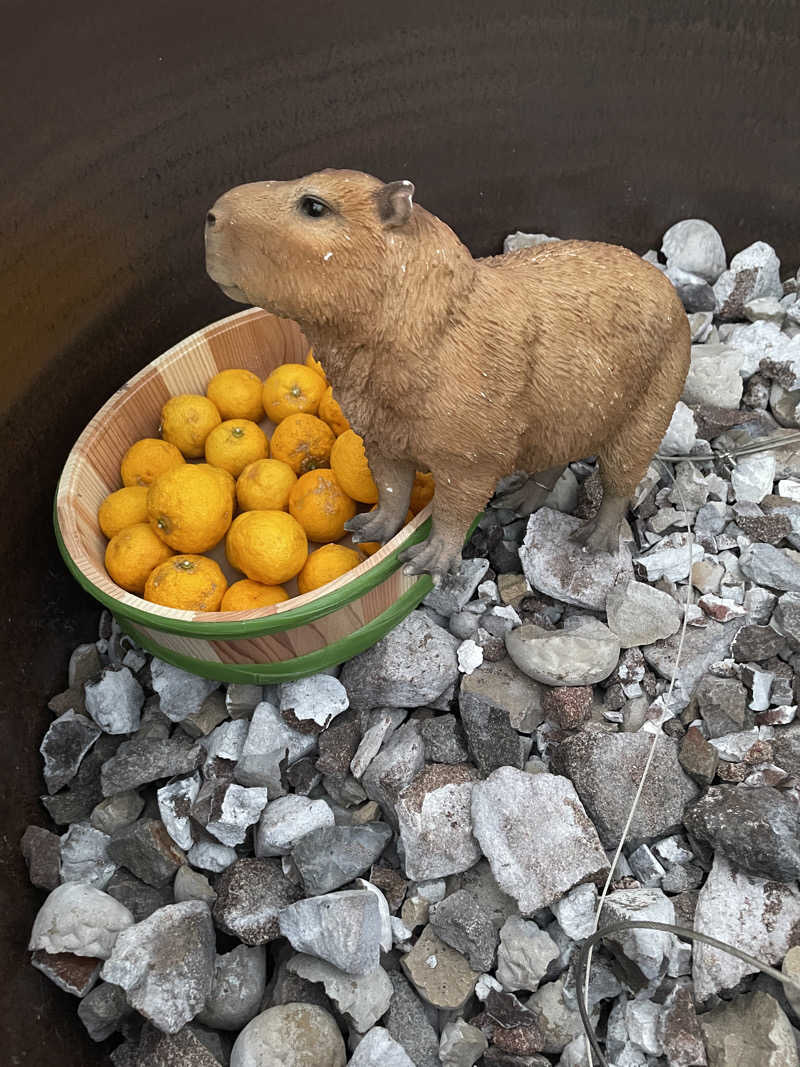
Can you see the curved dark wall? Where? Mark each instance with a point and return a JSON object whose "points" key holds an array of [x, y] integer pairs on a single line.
{"points": [[589, 119]]}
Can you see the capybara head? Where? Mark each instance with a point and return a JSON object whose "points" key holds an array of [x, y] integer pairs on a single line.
{"points": [[309, 249]]}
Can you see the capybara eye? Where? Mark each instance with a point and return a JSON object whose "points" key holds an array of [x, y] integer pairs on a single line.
{"points": [[312, 207]]}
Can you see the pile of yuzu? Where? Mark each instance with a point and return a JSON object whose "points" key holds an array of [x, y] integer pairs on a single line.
{"points": [[216, 474]]}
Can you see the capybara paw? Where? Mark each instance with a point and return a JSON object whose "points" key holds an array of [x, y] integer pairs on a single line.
{"points": [[434, 557], [597, 536], [373, 526]]}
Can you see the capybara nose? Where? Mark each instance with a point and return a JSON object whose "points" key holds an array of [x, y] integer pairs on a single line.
{"points": [[211, 219]]}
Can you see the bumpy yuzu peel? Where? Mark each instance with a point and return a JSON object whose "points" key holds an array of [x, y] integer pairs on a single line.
{"points": [[349, 464], [265, 485], [132, 554], [236, 393], [267, 546], [330, 412], [146, 459], [247, 595], [304, 442], [235, 443], [292, 389], [123, 508], [186, 422], [325, 564], [190, 507], [187, 582], [314, 364], [321, 506]]}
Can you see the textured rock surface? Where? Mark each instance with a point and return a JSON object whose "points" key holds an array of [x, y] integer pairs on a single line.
{"points": [[433, 813], [524, 955], [250, 896], [640, 615], [179, 693], [751, 1029], [379, 1049], [362, 1000], [442, 976], [585, 654], [536, 836], [81, 920], [286, 820], [290, 1035], [330, 856], [236, 991], [461, 922], [343, 928]]}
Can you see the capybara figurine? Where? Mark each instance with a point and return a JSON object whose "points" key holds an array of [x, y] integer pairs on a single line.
{"points": [[468, 368]]}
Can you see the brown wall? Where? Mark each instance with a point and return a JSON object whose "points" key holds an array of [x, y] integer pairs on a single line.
{"points": [[117, 130]]}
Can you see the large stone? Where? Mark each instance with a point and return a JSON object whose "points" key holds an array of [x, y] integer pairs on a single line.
{"points": [[786, 749], [679, 1030], [536, 836], [394, 767], [148, 851], [286, 820], [80, 920], [694, 245], [606, 770], [343, 928], [379, 1049], [722, 703], [461, 1045], [754, 272], [330, 856], [755, 915], [138, 762], [175, 801], [318, 699], [250, 896], [757, 828], [714, 379], [442, 976], [240, 808], [461, 922], [86, 856], [701, 647], [672, 558], [433, 813], [698, 757], [410, 1026], [767, 565], [362, 1000], [102, 1010], [180, 693], [753, 476], [166, 964], [556, 1020], [751, 1029], [238, 987], [524, 955], [41, 850], [269, 742], [556, 565], [115, 701], [410, 667], [74, 974], [290, 1035], [65, 744], [457, 587], [585, 654], [642, 954], [140, 898], [501, 688], [639, 614], [185, 1048]]}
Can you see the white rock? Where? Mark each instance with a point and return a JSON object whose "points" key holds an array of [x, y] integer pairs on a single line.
{"points": [[79, 919], [461, 1045], [318, 699], [362, 999], [379, 1049], [647, 951], [385, 914], [765, 309], [241, 807], [753, 476], [382, 722], [681, 433], [789, 487], [470, 656], [211, 856], [757, 341], [639, 614], [269, 740], [485, 985], [575, 912], [754, 272], [224, 746], [734, 747], [585, 654], [174, 801], [286, 819], [115, 701], [524, 954], [290, 1035], [695, 245], [179, 693], [84, 856], [641, 1018], [515, 241], [536, 836], [673, 558], [433, 813], [732, 907], [344, 928], [714, 376]]}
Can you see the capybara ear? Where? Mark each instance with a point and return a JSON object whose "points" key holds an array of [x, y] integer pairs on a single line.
{"points": [[395, 202]]}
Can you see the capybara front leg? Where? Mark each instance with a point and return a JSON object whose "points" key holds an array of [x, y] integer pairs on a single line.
{"points": [[601, 534], [395, 479]]}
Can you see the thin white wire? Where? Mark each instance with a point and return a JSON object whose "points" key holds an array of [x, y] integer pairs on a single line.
{"points": [[647, 765]]}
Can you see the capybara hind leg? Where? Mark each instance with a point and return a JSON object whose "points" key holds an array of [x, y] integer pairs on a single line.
{"points": [[601, 534], [531, 495], [394, 479]]}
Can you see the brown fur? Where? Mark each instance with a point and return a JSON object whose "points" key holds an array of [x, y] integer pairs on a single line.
{"points": [[468, 368]]}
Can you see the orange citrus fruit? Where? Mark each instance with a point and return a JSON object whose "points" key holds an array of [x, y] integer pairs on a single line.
{"points": [[146, 459], [330, 412], [246, 595], [132, 554], [190, 507], [237, 394], [421, 491], [265, 485], [187, 582], [325, 564], [186, 422], [235, 443], [320, 505], [267, 546], [314, 364], [349, 464], [292, 389], [123, 508], [304, 442]]}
